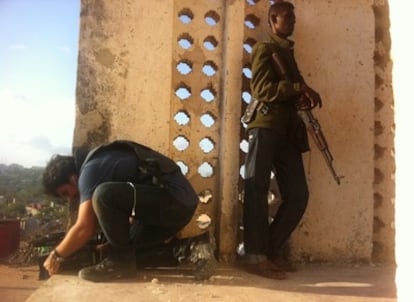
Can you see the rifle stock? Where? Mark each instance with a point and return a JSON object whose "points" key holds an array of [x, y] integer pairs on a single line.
{"points": [[312, 124]]}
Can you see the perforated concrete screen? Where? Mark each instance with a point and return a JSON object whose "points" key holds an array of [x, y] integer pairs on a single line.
{"points": [[195, 103]]}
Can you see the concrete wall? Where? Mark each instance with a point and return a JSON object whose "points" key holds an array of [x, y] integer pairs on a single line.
{"points": [[124, 72], [127, 78], [335, 45], [384, 230], [353, 75]]}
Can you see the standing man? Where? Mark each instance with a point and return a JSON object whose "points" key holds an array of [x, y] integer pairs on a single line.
{"points": [[135, 195], [277, 137]]}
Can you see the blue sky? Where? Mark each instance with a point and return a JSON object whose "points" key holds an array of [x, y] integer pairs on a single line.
{"points": [[38, 61]]}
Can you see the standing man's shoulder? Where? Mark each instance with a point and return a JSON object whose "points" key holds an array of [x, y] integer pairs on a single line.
{"points": [[264, 48], [261, 52], [260, 47]]}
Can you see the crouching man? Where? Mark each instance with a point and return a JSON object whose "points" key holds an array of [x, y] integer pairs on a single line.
{"points": [[137, 197]]}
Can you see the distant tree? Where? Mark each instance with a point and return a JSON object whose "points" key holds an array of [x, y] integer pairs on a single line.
{"points": [[21, 184], [20, 187], [12, 210], [52, 212]]}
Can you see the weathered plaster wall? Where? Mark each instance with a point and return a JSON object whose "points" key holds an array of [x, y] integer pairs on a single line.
{"points": [[350, 66], [124, 72], [335, 46], [384, 182], [126, 89]]}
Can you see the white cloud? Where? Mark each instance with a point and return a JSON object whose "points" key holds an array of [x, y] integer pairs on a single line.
{"points": [[27, 154], [31, 130], [17, 46], [65, 49]]}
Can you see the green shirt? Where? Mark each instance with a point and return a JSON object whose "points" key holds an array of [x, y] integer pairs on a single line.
{"points": [[276, 90]]}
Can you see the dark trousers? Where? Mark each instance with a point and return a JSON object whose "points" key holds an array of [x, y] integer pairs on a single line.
{"points": [[268, 152], [158, 216]]}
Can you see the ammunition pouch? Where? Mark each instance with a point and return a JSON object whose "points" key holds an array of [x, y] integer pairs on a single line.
{"points": [[251, 109]]}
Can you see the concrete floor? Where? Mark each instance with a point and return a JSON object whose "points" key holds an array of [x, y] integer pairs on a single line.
{"points": [[18, 283], [313, 282]]}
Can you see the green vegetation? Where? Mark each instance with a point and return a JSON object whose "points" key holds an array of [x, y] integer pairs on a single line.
{"points": [[23, 184], [21, 187]]}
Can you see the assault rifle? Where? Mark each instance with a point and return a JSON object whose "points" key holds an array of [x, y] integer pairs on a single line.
{"points": [[314, 128], [312, 124]]}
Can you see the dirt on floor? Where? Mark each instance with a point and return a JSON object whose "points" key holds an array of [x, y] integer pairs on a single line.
{"points": [[17, 283], [313, 282]]}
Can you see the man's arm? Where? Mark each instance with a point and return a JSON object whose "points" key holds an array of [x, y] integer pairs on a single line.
{"points": [[266, 84], [78, 235]]}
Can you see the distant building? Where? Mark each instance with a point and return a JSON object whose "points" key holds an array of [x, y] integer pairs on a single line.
{"points": [[33, 208]]}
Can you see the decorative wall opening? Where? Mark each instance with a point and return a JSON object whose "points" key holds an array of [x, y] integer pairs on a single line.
{"points": [[195, 101]]}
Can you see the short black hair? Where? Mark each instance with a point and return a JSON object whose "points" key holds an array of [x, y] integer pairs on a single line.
{"points": [[57, 173], [277, 7]]}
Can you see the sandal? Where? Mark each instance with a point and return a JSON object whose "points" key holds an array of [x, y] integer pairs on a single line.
{"points": [[266, 269], [284, 265]]}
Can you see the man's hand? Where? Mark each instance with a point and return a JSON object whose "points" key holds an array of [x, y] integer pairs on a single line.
{"points": [[309, 99], [52, 263]]}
